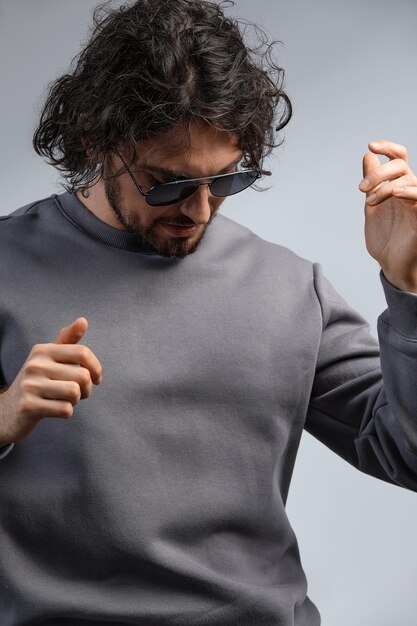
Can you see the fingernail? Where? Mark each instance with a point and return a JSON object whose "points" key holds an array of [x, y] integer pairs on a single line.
{"points": [[364, 184], [371, 198], [375, 144]]}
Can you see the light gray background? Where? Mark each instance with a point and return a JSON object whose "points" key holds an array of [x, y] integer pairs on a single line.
{"points": [[351, 75]]}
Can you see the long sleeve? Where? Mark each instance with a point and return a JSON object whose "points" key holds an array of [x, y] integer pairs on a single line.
{"points": [[4, 450], [363, 403]]}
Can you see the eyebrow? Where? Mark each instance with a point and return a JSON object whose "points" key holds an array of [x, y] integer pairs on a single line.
{"points": [[176, 174]]}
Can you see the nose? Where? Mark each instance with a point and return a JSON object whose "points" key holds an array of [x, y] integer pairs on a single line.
{"points": [[197, 206]]}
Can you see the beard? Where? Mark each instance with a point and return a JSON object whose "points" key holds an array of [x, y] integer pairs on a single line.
{"points": [[173, 247]]}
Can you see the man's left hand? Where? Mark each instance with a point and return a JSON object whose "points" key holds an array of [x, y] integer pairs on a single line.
{"points": [[391, 213]]}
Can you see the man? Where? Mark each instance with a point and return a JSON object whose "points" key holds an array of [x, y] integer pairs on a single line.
{"points": [[161, 498]]}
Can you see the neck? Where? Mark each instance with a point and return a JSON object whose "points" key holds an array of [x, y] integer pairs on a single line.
{"points": [[96, 202]]}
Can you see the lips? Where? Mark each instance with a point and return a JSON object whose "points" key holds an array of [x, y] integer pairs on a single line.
{"points": [[180, 230]]}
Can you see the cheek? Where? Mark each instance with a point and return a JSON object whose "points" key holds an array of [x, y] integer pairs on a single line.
{"points": [[215, 203], [136, 212], [136, 206], [154, 217]]}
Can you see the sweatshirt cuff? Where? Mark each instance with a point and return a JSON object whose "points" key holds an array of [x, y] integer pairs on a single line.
{"points": [[4, 450], [402, 308]]}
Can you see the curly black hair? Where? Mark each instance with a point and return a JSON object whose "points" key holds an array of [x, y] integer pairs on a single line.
{"points": [[154, 66]]}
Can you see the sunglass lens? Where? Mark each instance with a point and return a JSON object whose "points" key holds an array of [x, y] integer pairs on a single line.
{"points": [[233, 183], [170, 193], [162, 195]]}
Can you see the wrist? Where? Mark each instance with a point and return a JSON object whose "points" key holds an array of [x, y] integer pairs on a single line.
{"points": [[400, 283], [3, 442]]}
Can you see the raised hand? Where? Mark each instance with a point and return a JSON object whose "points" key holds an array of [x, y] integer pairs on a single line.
{"points": [[391, 213], [54, 377]]}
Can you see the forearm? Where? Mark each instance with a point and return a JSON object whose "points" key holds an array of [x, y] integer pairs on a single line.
{"points": [[363, 414], [4, 441]]}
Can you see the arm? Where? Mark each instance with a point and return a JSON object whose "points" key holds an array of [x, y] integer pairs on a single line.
{"points": [[363, 404], [36, 394], [5, 447]]}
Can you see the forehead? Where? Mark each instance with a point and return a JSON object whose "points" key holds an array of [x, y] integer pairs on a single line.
{"points": [[204, 150]]}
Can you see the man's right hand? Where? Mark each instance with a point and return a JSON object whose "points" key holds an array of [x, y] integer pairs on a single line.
{"points": [[54, 377]]}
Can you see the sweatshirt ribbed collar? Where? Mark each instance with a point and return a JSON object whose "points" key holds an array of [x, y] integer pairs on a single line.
{"points": [[78, 213]]}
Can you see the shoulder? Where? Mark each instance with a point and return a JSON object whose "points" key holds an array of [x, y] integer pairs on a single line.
{"points": [[268, 273], [265, 252], [26, 230], [32, 208], [21, 224]]}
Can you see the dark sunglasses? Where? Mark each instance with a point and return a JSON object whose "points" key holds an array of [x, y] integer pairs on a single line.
{"points": [[222, 185]]}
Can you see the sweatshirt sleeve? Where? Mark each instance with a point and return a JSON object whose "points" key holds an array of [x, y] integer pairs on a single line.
{"points": [[4, 450], [363, 404]]}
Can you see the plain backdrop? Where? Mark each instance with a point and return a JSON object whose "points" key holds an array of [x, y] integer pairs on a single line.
{"points": [[351, 75]]}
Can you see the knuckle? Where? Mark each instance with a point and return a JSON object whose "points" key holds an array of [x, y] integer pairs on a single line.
{"points": [[24, 407], [84, 376], [86, 393], [29, 386], [33, 366], [401, 163], [36, 349], [67, 410], [40, 348], [405, 181], [74, 392], [84, 352]]}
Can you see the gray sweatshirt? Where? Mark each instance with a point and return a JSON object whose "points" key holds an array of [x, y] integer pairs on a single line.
{"points": [[161, 501]]}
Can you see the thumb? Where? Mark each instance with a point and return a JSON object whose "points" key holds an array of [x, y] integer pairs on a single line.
{"points": [[369, 163], [74, 332]]}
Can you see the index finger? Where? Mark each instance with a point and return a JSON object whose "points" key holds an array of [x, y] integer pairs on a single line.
{"points": [[390, 149], [78, 354]]}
